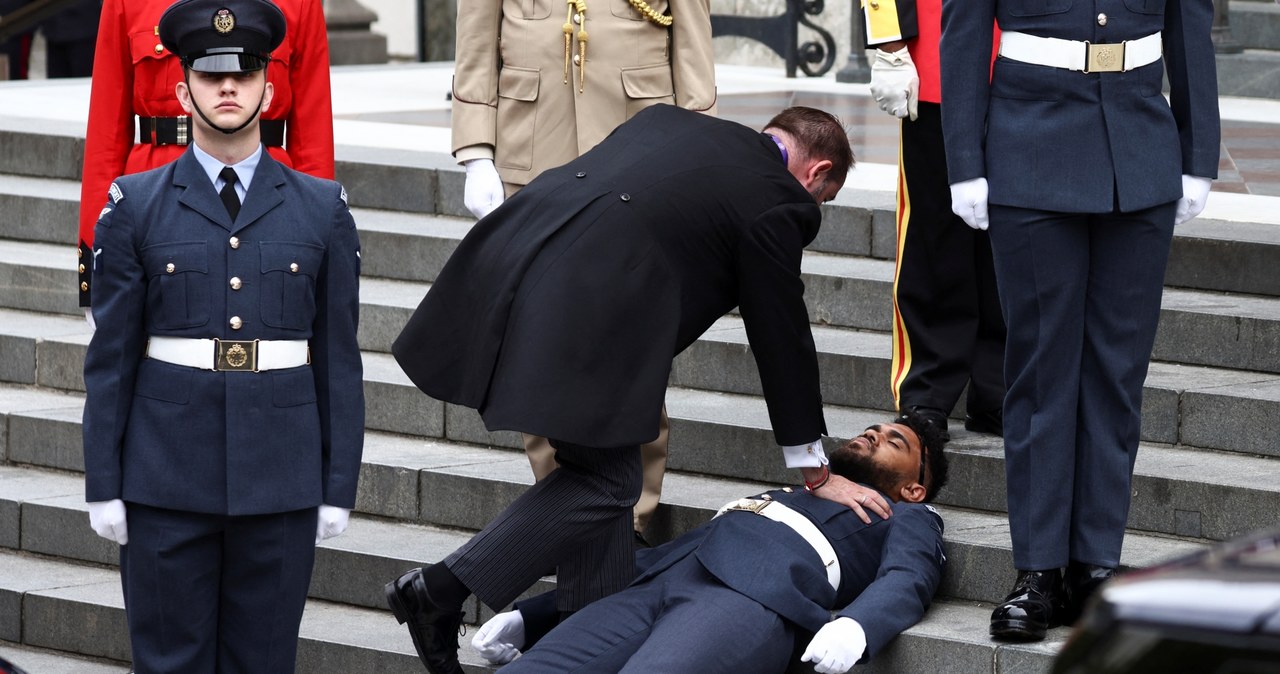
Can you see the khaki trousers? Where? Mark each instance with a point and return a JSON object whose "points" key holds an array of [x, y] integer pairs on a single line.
{"points": [[653, 464]]}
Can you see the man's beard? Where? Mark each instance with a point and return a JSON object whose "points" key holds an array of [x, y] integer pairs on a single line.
{"points": [[859, 467]]}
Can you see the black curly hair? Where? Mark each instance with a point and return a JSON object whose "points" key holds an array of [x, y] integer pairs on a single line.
{"points": [[934, 440]]}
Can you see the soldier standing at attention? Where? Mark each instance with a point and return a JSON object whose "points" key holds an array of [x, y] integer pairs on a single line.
{"points": [[539, 82], [224, 415], [947, 329], [1068, 150], [133, 78]]}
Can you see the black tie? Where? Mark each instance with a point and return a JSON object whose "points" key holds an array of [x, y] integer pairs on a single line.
{"points": [[228, 193]]}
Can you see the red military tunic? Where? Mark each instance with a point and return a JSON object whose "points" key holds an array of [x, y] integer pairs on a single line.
{"points": [[134, 76]]}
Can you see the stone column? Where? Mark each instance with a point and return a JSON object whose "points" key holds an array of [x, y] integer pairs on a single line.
{"points": [[351, 41], [1223, 41], [857, 69]]}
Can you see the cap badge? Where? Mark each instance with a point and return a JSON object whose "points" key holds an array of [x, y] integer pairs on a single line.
{"points": [[224, 21]]}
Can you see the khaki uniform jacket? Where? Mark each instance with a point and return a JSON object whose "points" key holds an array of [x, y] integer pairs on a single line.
{"points": [[509, 90]]}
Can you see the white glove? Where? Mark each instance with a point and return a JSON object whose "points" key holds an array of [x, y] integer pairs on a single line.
{"points": [[330, 522], [108, 520], [500, 639], [483, 191], [836, 647], [1195, 192], [969, 201], [895, 84], [88, 316]]}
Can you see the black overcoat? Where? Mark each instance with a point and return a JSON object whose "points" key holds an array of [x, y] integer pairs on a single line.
{"points": [[560, 312]]}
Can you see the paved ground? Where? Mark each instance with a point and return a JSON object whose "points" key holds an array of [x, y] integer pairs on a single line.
{"points": [[405, 107]]}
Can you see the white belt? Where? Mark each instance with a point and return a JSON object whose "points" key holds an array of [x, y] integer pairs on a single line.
{"points": [[780, 512], [230, 355], [1083, 56]]}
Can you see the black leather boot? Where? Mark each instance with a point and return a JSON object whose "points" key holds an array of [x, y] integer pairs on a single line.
{"points": [[434, 628], [1081, 581], [1034, 605]]}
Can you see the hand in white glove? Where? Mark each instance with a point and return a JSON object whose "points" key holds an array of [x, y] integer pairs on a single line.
{"points": [[836, 647], [969, 201], [108, 520], [483, 191], [895, 84], [88, 316], [330, 522], [1195, 192], [500, 639]]}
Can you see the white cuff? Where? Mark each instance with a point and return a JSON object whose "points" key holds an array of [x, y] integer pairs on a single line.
{"points": [[805, 456]]}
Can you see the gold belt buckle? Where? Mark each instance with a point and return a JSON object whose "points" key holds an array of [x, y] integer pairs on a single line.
{"points": [[750, 505], [236, 355], [1104, 58]]}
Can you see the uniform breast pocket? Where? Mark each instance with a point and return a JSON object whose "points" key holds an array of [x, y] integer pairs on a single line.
{"points": [[1145, 6], [1036, 7], [289, 270], [648, 85], [177, 284], [623, 9], [145, 45]]}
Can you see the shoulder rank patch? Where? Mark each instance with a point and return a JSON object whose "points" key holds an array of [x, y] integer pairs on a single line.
{"points": [[343, 194], [105, 210], [116, 194], [932, 510]]}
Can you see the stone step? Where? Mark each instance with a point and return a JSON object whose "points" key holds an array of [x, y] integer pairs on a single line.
{"points": [[1256, 25], [1209, 408], [718, 442], [43, 661], [411, 242], [1254, 73], [43, 512], [79, 610], [1196, 327]]}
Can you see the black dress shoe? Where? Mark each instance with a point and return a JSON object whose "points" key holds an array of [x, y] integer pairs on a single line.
{"points": [[434, 629], [990, 422], [1034, 605], [934, 417], [1081, 581]]}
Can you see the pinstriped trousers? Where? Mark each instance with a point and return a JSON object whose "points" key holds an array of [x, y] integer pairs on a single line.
{"points": [[577, 519]]}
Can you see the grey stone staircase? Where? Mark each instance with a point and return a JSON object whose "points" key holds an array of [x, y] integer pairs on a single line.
{"points": [[1254, 71], [432, 473]]}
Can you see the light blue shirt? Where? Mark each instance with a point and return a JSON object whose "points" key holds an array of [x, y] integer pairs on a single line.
{"points": [[244, 169]]}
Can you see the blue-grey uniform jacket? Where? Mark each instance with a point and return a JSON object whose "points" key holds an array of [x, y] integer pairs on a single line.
{"points": [[1059, 140], [236, 443], [889, 569]]}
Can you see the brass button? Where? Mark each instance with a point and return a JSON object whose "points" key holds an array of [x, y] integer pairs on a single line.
{"points": [[582, 174], [235, 282], [81, 269], [84, 286], [236, 323], [577, 59], [79, 252], [293, 267], [875, 5], [625, 197], [1102, 19], [235, 242], [170, 268], [159, 49]]}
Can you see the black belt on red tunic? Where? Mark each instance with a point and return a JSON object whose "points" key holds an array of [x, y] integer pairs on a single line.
{"points": [[177, 131]]}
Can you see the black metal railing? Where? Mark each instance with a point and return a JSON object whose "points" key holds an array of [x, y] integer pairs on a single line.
{"points": [[781, 33]]}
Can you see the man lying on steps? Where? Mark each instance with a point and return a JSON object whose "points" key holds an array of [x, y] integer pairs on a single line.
{"points": [[737, 594]]}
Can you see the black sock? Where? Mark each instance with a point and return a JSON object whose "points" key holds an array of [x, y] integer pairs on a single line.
{"points": [[444, 587]]}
